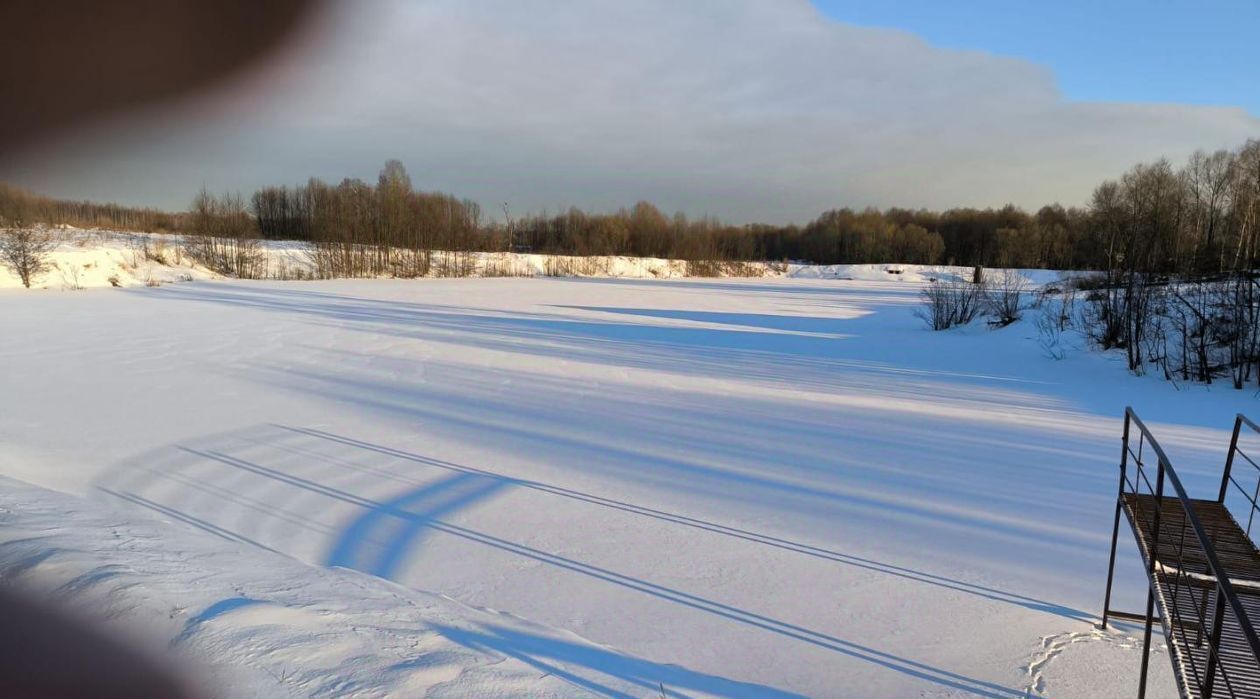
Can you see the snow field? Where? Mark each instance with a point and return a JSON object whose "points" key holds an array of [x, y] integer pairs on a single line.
{"points": [[746, 486]]}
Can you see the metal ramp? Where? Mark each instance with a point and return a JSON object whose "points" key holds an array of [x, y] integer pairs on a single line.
{"points": [[1202, 566]]}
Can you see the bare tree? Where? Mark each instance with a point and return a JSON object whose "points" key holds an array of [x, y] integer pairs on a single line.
{"points": [[25, 251], [1207, 183], [222, 238], [1242, 334], [1055, 318]]}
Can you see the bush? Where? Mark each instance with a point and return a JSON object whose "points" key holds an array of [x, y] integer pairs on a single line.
{"points": [[71, 276], [1004, 296], [25, 251], [950, 303]]}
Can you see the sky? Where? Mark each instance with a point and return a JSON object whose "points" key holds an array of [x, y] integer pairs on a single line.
{"points": [[749, 110], [1175, 51]]}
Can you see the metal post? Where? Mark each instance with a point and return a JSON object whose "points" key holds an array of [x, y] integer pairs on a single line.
{"points": [[1115, 526], [1146, 639], [1229, 460], [1198, 636], [1111, 565], [1214, 644], [1150, 593]]}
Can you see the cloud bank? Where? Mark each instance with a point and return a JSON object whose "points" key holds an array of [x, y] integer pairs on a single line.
{"points": [[751, 110]]}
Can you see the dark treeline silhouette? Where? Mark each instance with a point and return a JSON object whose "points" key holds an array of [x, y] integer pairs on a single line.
{"points": [[1210, 200], [1199, 218]]}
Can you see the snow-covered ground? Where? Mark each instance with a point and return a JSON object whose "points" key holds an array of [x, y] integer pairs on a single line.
{"points": [[244, 621], [726, 487]]}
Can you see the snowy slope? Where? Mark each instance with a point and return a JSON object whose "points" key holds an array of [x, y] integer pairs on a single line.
{"points": [[86, 259], [83, 259], [766, 485]]}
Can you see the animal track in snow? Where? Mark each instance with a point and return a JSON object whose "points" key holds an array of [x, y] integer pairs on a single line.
{"points": [[1053, 645]]}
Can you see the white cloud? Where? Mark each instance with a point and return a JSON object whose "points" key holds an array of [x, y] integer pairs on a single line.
{"points": [[748, 109]]}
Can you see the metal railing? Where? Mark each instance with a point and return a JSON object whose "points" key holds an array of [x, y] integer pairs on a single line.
{"points": [[1184, 570], [1228, 478]]}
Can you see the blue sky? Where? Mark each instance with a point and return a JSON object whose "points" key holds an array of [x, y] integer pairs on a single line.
{"points": [[1204, 53]]}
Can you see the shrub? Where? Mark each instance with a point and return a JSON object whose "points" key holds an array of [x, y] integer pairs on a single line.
{"points": [[25, 251], [70, 276], [950, 303], [1004, 296]]}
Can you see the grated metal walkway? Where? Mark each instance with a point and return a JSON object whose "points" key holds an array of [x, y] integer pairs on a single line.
{"points": [[1187, 593], [1203, 568]]}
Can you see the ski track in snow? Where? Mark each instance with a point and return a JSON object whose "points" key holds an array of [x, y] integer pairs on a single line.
{"points": [[750, 487], [251, 623]]}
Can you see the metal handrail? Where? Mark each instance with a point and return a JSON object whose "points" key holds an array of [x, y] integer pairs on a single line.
{"points": [[1227, 476], [1226, 594], [1209, 550]]}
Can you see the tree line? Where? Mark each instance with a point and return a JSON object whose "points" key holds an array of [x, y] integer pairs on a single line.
{"points": [[1210, 200], [1179, 288], [1199, 217], [1176, 286], [19, 205], [357, 229]]}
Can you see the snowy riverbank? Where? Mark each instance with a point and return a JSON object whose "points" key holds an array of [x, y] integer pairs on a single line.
{"points": [[85, 259]]}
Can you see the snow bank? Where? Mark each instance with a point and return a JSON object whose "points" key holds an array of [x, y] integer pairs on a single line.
{"points": [[94, 258], [917, 274]]}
